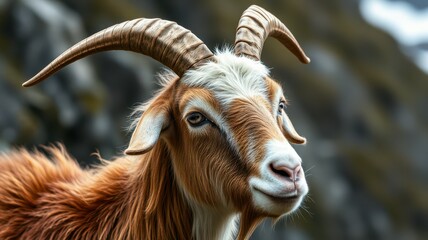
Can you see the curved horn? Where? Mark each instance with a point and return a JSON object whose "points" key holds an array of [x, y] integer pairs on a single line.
{"points": [[255, 25], [165, 41]]}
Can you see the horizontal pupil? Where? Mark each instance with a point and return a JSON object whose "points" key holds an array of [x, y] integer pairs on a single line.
{"points": [[195, 118], [281, 107]]}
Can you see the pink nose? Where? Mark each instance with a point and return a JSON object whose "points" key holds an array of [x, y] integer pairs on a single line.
{"points": [[284, 172]]}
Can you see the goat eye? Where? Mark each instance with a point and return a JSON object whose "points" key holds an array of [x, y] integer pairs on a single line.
{"points": [[281, 107], [196, 119]]}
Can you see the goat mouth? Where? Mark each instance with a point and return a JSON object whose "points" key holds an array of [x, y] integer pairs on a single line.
{"points": [[282, 199]]}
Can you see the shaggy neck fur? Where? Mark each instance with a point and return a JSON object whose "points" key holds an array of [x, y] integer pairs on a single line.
{"points": [[130, 198], [212, 223]]}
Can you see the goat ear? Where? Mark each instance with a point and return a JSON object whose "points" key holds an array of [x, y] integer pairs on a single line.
{"points": [[289, 131], [148, 130]]}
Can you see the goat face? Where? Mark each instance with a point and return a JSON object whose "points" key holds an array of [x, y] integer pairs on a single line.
{"points": [[229, 136], [222, 119]]}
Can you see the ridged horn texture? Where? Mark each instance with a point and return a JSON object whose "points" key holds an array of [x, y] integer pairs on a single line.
{"points": [[166, 41], [255, 25]]}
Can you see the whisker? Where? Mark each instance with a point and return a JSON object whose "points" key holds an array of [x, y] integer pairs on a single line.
{"points": [[310, 168]]}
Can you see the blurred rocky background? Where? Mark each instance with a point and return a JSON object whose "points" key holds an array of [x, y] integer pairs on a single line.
{"points": [[362, 102]]}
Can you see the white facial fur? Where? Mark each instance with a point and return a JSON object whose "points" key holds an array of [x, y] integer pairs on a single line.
{"points": [[230, 77]]}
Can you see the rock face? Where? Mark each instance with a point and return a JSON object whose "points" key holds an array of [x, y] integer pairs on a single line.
{"points": [[361, 103]]}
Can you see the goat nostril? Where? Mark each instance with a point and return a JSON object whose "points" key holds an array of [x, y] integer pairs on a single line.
{"points": [[283, 171], [297, 173]]}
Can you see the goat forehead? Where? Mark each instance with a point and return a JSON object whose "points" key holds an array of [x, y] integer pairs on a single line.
{"points": [[230, 77]]}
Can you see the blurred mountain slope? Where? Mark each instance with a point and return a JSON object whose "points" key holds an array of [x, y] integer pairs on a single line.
{"points": [[361, 102]]}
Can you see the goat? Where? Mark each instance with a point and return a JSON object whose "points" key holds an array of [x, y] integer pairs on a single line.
{"points": [[210, 148]]}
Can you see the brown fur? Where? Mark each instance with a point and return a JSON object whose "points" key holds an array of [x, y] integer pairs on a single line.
{"points": [[125, 199], [148, 196]]}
